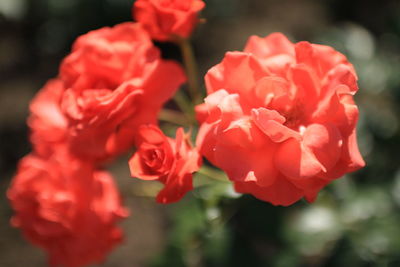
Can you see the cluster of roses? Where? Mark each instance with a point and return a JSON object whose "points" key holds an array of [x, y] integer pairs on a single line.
{"points": [[279, 119]]}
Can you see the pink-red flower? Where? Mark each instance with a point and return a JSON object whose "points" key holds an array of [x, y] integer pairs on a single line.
{"points": [[114, 81], [280, 118], [66, 207], [47, 122], [170, 161], [166, 19]]}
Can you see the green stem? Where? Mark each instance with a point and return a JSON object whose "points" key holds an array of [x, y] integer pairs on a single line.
{"points": [[191, 70], [185, 106], [213, 174], [174, 117]]}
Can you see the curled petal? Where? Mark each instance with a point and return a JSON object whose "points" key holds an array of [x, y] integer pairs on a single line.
{"points": [[271, 123], [343, 76], [296, 161], [325, 142], [274, 93]]}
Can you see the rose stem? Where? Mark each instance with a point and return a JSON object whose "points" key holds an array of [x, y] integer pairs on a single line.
{"points": [[213, 174], [185, 105], [174, 117], [191, 69]]}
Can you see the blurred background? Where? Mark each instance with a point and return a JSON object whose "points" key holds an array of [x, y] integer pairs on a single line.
{"points": [[354, 222]]}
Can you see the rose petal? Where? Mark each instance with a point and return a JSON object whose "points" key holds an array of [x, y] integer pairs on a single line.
{"points": [[325, 142], [274, 93], [138, 170], [275, 52], [270, 122], [273, 44], [237, 73], [253, 156], [281, 192], [176, 189], [151, 134], [295, 161]]}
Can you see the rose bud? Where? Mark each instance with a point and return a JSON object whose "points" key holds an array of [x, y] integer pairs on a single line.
{"points": [[170, 161]]}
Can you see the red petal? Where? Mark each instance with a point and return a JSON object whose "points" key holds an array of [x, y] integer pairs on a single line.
{"points": [[273, 44], [137, 171], [281, 192], [295, 161], [325, 142], [244, 154], [237, 73], [270, 122]]}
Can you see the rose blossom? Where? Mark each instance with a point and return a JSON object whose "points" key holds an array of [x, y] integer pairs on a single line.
{"points": [[115, 81], [170, 161], [280, 118], [166, 19], [66, 207], [47, 122]]}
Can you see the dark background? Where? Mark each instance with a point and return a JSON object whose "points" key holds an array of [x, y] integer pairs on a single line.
{"points": [[354, 222]]}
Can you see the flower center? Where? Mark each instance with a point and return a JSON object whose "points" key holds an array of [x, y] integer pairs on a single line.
{"points": [[294, 118], [153, 157]]}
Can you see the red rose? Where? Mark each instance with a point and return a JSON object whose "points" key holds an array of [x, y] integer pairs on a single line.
{"points": [[67, 208], [115, 80], [169, 161], [280, 118], [165, 19], [47, 122]]}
